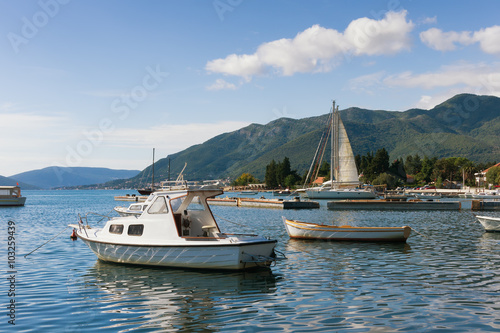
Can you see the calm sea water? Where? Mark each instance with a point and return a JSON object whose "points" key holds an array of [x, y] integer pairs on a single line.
{"points": [[445, 279]]}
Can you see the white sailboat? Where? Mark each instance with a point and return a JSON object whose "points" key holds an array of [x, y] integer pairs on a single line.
{"points": [[342, 166]]}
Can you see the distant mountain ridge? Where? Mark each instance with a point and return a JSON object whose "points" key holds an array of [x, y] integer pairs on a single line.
{"points": [[54, 177], [465, 125]]}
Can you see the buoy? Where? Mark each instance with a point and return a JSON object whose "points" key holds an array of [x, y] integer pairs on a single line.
{"points": [[73, 235]]}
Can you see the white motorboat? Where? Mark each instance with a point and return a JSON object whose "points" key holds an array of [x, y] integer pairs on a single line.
{"points": [[307, 230], [177, 230], [133, 209], [427, 196], [347, 193], [487, 195], [489, 223], [342, 166], [11, 196]]}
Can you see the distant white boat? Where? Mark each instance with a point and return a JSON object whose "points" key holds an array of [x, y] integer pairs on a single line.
{"points": [[342, 167], [427, 196], [11, 196], [307, 230], [177, 230], [134, 209], [487, 195], [489, 223]]}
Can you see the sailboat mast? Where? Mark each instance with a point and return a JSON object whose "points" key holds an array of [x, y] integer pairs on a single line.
{"points": [[153, 178], [335, 143], [332, 145]]}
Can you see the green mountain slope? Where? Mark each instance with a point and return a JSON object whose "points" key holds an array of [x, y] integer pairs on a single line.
{"points": [[465, 125]]}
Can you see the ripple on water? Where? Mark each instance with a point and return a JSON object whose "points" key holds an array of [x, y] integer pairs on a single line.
{"points": [[445, 278]]}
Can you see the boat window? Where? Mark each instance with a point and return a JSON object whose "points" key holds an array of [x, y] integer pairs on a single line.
{"points": [[135, 229], [196, 204], [116, 229], [176, 203], [135, 207], [159, 206]]}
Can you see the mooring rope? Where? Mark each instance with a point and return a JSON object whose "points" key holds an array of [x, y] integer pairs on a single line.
{"points": [[419, 233], [236, 223], [46, 242]]}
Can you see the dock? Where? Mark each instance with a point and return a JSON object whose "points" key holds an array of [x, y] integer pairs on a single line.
{"points": [[485, 205], [384, 204], [264, 203], [131, 198]]}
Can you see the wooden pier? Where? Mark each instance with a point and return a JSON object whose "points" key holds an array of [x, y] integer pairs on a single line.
{"points": [[394, 205], [265, 203]]}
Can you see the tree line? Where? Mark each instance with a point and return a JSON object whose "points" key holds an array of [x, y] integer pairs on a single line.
{"points": [[377, 169]]}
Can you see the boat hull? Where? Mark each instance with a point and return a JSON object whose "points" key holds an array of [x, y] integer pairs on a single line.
{"points": [[13, 201], [340, 194], [302, 230], [228, 256], [491, 224]]}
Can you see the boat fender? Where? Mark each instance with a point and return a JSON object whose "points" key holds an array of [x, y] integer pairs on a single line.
{"points": [[73, 235]]}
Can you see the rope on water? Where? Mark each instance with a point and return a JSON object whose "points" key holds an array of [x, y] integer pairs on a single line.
{"points": [[419, 233], [236, 223], [46, 242]]}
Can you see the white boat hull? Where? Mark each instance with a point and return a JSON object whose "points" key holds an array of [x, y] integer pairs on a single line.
{"points": [[194, 254], [489, 223], [302, 230], [340, 194]]}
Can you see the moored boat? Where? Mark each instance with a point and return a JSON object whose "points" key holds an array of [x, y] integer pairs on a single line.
{"points": [[133, 209], [489, 223], [11, 196], [487, 195], [308, 230], [345, 183], [177, 230]]}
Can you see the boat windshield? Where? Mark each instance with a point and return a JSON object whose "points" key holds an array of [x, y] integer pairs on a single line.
{"points": [[176, 203], [159, 206]]}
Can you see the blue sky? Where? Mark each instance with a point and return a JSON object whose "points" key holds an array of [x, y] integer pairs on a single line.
{"points": [[101, 83]]}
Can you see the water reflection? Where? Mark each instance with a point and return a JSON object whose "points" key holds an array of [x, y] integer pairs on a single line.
{"points": [[147, 298]]}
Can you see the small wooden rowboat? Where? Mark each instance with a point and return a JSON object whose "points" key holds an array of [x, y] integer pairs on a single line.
{"points": [[307, 230]]}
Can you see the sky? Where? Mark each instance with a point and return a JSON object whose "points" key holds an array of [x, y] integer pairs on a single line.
{"points": [[100, 83]]}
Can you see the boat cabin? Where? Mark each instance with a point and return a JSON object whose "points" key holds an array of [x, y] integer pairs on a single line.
{"points": [[170, 215], [10, 192]]}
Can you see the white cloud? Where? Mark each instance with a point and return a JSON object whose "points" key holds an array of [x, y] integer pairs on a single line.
{"points": [[445, 41], [488, 39], [482, 77], [221, 84], [428, 20], [387, 36], [318, 49]]}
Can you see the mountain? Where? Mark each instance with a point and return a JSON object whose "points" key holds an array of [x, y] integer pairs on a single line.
{"points": [[6, 181], [465, 125], [52, 177]]}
